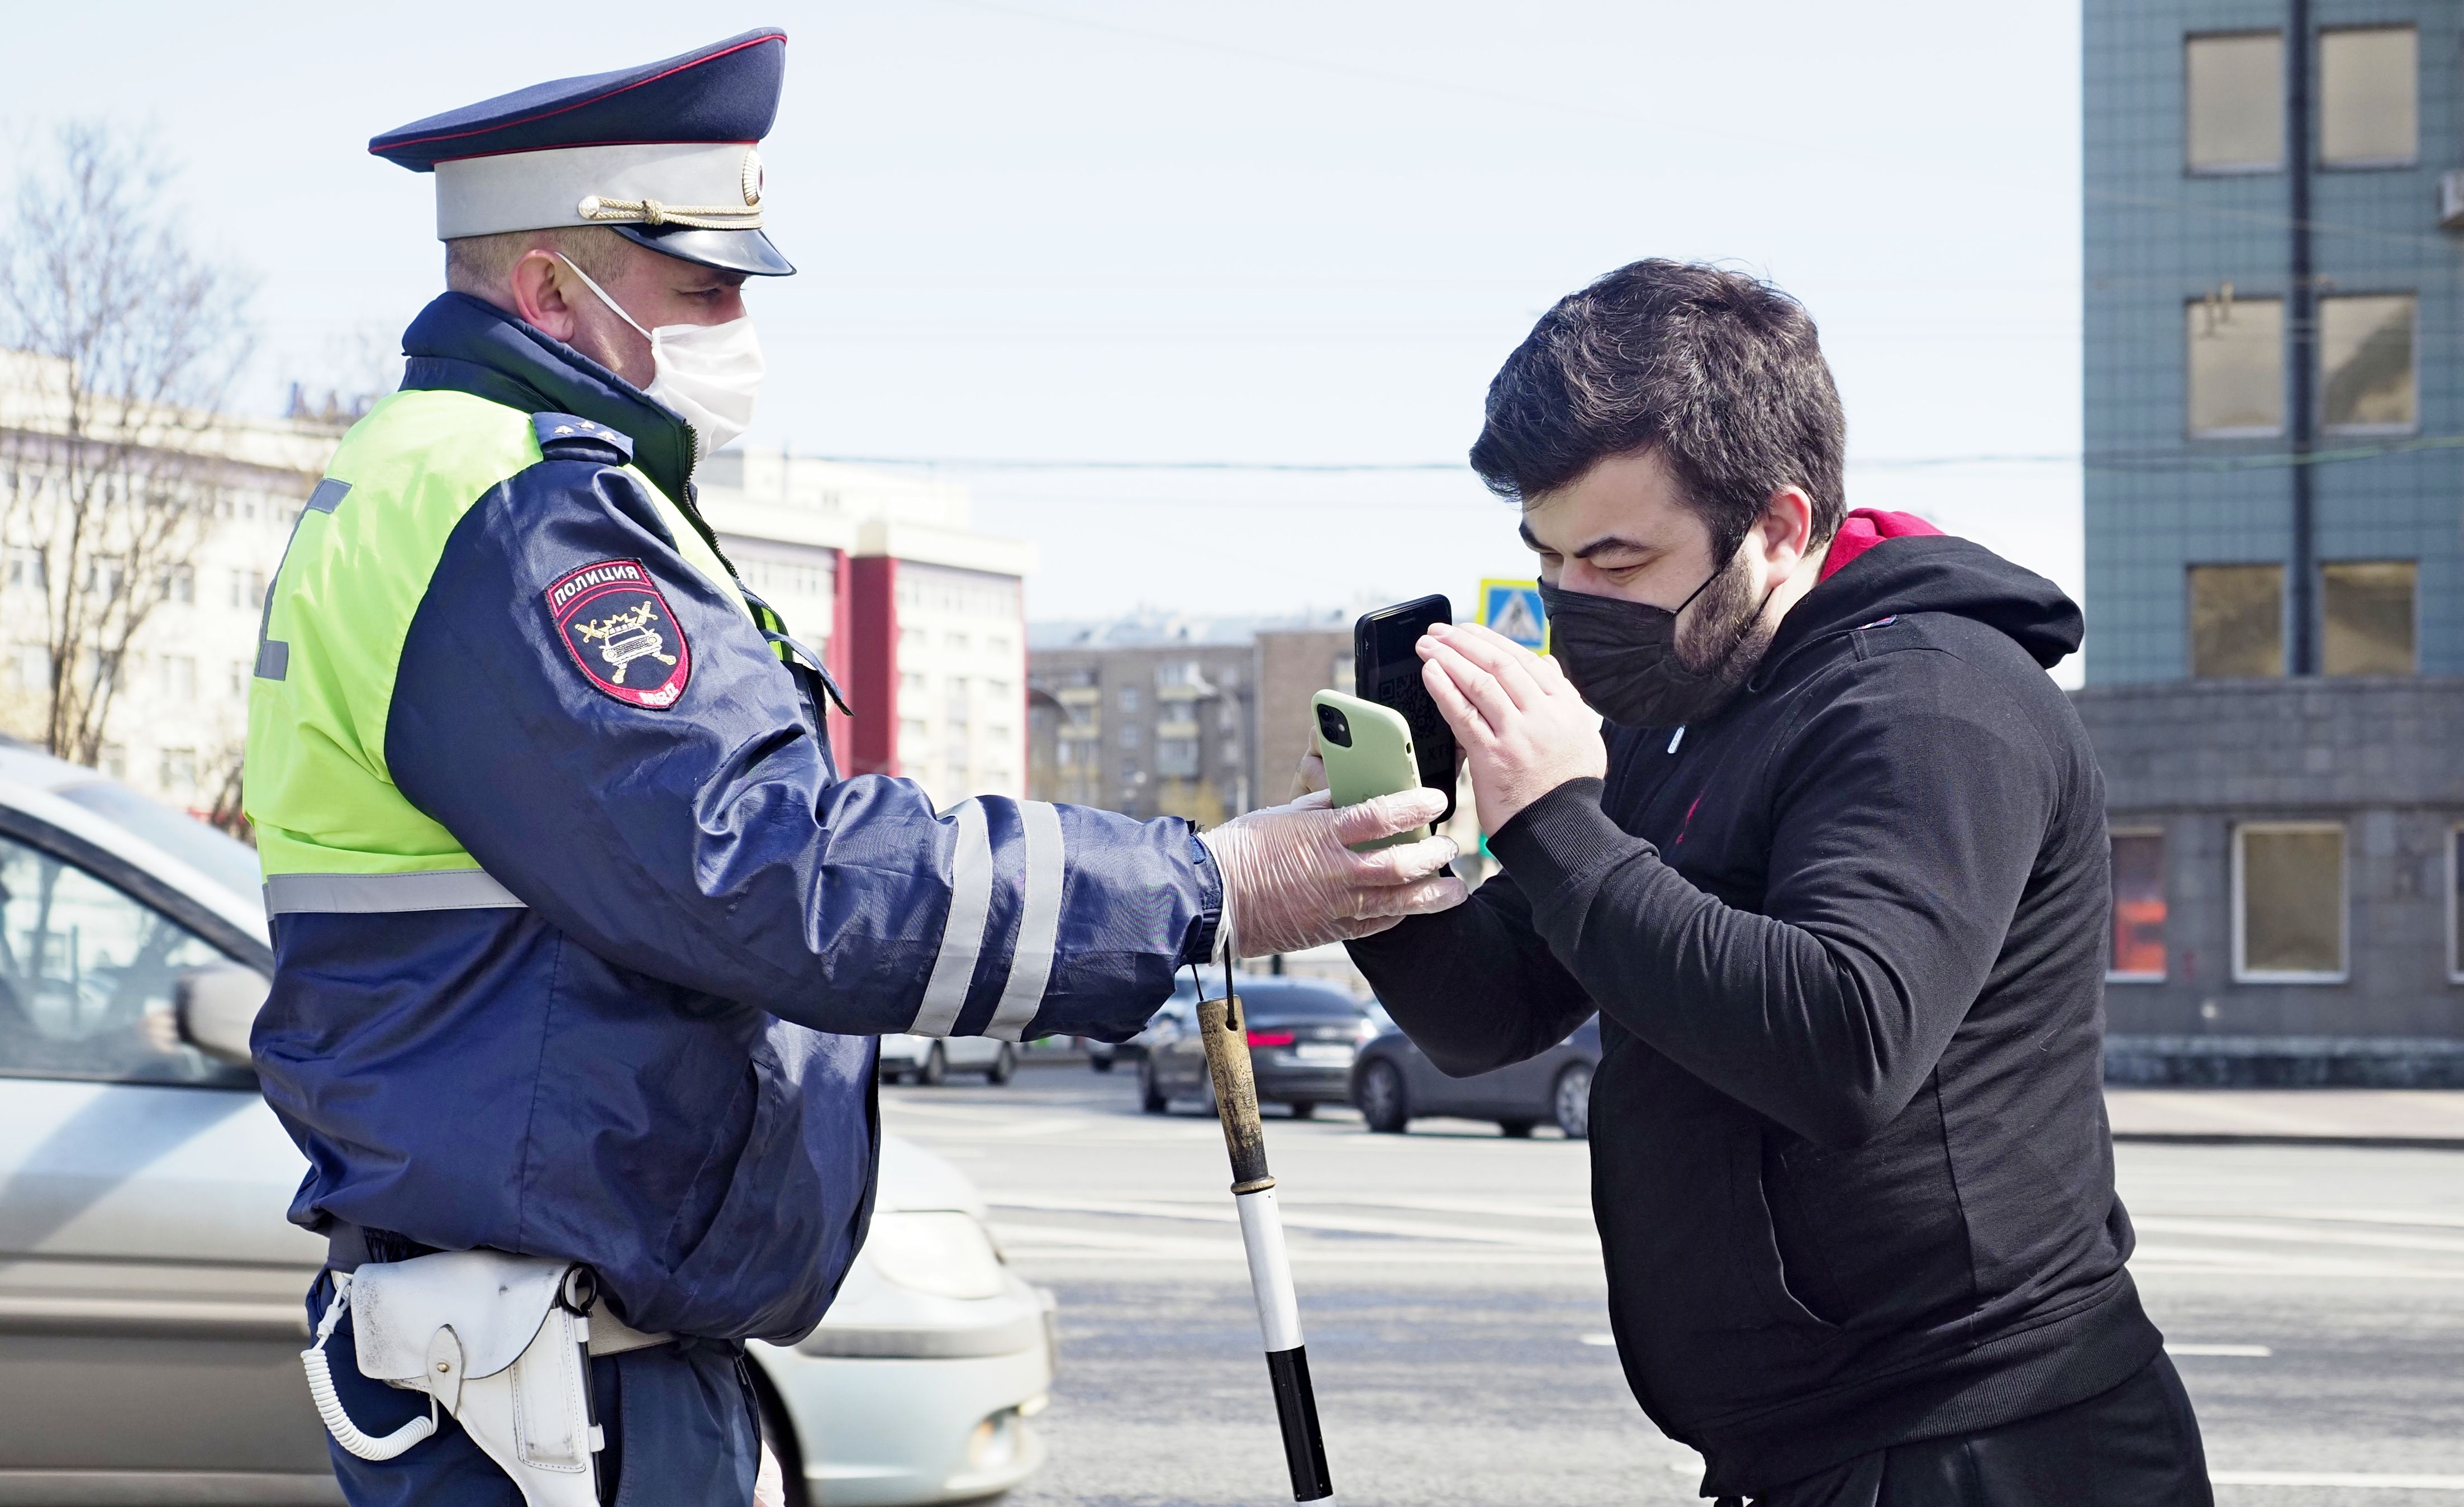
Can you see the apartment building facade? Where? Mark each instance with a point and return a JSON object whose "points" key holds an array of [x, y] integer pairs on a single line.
{"points": [[1154, 715], [2274, 204], [883, 576], [921, 617]]}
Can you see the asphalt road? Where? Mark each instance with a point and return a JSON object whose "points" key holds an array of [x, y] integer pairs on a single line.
{"points": [[1450, 1284]]}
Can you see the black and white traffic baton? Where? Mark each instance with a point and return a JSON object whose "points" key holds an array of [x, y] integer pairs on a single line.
{"points": [[1223, 1026]]}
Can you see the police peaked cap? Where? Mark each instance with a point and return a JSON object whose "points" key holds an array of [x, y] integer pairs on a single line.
{"points": [[664, 155]]}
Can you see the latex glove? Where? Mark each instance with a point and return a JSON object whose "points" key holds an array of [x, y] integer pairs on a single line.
{"points": [[1290, 883], [769, 1481]]}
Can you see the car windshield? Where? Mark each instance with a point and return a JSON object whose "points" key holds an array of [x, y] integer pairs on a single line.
{"points": [[229, 864]]}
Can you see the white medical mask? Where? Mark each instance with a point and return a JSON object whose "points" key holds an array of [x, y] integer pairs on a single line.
{"points": [[709, 373]]}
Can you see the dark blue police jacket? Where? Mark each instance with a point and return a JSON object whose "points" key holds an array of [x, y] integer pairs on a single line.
{"points": [[656, 1053]]}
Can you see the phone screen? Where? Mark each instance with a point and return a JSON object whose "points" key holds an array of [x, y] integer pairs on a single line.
{"points": [[1386, 669]]}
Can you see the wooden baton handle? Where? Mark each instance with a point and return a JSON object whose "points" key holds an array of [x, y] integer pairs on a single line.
{"points": [[1223, 1026]]}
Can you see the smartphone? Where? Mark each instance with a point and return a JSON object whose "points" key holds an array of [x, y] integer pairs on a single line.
{"points": [[1386, 669], [1367, 751]]}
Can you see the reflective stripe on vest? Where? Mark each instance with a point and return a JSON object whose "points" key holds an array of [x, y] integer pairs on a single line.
{"points": [[367, 894]]}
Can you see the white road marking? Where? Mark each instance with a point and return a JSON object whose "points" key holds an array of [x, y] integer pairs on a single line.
{"points": [[1302, 1218], [2418, 1218], [2280, 1229], [1472, 1206], [1607, 1341], [2256, 1351], [1046, 1245], [2279, 1264], [2351, 1480]]}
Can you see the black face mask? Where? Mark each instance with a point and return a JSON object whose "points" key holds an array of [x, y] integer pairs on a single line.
{"points": [[1621, 657]]}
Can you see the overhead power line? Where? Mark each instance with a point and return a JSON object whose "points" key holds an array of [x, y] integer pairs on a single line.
{"points": [[2111, 460]]}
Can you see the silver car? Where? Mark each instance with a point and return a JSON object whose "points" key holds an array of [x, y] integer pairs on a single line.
{"points": [[151, 1293], [931, 1059]]}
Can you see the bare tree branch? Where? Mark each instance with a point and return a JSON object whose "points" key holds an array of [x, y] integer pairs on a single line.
{"points": [[116, 467]]}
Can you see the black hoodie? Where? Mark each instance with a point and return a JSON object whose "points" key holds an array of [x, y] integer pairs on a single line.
{"points": [[1847, 942]]}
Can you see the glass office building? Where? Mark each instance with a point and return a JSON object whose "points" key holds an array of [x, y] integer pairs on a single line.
{"points": [[2274, 305]]}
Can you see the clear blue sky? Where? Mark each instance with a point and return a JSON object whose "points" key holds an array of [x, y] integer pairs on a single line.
{"points": [[1281, 232]]}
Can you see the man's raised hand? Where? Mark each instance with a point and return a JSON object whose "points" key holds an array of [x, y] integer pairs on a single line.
{"points": [[1523, 730]]}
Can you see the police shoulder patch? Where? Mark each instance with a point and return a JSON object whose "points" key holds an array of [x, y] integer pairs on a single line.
{"points": [[620, 633]]}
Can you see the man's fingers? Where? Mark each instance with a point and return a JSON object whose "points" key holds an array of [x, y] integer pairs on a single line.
{"points": [[1478, 686], [1355, 930], [1404, 862], [1385, 815], [1468, 725], [1513, 665], [1317, 800], [1424, 898], [1311, 775]]}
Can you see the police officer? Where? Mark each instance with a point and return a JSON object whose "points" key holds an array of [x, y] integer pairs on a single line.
{"points": [[582, 940]]}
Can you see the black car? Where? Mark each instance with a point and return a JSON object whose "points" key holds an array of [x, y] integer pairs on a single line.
{"points": [[1302, 1038], [1394, 1081]]}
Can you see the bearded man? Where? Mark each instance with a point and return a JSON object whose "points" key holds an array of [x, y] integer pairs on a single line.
{"points": [[1836, 881]]}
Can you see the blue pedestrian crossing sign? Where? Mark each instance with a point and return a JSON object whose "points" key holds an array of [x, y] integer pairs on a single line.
{"points": [[1512, 608]]}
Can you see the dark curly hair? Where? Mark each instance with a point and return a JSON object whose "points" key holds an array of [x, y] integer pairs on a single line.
{"points": [[1720, 373]]}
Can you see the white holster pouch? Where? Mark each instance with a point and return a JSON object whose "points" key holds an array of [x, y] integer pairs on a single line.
{"points": [[501, 1343]]}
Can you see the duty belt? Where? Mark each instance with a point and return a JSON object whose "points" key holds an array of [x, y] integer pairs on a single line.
{"points": [[348, 1247]]}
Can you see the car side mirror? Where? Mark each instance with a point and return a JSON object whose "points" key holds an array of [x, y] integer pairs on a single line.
{"points": [[215, 1008]]}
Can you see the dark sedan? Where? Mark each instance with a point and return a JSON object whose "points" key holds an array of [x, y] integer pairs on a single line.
{"points": [[1302, 1038], [1394, 1081]]}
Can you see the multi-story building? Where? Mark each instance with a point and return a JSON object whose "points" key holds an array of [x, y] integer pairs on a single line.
{"points": [[884, 576], [922, 618], [1154, 715], [2275, 527], [1158, 714], [137, 547], [1295, 661]]}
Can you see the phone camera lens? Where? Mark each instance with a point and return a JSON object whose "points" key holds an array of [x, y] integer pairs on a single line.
{"points": [[1336, 727]]}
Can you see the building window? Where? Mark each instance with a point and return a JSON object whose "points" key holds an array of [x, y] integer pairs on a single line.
{"points": [[2235, 367], [26, 570], [2455, 905], [180, 677], [2233, 102], [1128, 699], [2366, 375], [2237, 621], [2288, 889], [1177, 758], [30, 667], [2369, 101], [2369, 617], [1130, 736], [178, 768], [2138, 907]]}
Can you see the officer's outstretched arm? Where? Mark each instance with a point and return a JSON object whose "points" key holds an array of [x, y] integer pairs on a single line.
{"points": [[600, 722]]}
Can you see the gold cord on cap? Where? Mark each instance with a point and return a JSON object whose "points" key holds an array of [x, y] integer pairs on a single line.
{"points": [[652, 213]]}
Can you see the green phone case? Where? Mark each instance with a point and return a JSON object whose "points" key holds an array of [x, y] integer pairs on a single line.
{"points": [[1378, 761]]}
